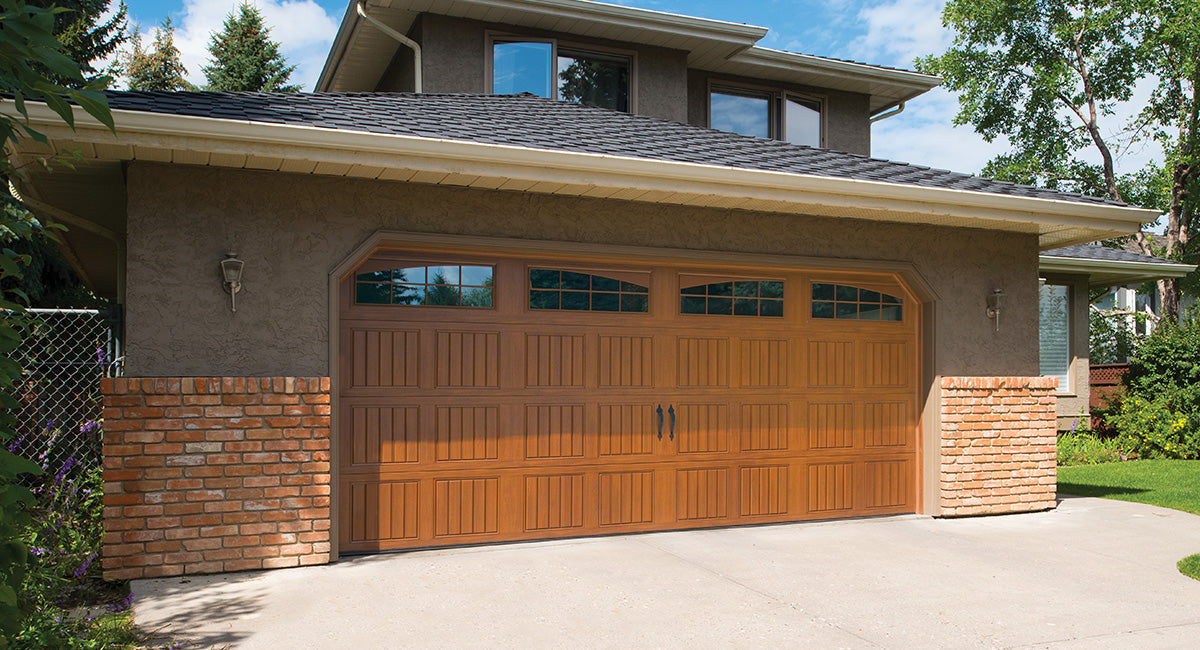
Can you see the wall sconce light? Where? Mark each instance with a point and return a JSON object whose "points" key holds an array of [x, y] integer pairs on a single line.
{"points": [[995, 303], [231, 271]]}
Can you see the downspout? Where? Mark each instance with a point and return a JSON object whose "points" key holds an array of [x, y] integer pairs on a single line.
{"points": [[883, 116], [400, 38]]}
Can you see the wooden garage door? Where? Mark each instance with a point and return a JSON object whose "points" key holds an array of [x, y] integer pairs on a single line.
{"points": [[502, 398]]}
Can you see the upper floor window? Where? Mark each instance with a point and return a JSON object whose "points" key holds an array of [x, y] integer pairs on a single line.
{"points": [[543, 68], [766, 114]]}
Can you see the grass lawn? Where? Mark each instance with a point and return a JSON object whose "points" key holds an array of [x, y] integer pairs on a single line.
{"points": [[1168, 483]]}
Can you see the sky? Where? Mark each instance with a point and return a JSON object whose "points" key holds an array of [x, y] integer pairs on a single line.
{"points": [[884, 32]]}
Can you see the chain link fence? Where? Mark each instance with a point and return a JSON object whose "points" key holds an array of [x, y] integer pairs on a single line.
{"points": [[64, 356]]}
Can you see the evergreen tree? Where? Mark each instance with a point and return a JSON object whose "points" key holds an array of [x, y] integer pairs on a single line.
{"points": [[245, 58], [158, 68], [85, 38]]}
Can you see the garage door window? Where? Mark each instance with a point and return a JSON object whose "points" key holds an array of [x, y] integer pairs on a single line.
{"points": [[847, 302], [731, 297], [560, 289], [430, 286]]}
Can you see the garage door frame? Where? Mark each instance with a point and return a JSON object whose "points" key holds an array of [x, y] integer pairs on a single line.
{"points": [[906, 272]]}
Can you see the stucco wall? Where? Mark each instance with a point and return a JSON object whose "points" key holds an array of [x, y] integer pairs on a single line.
{"points": [[293, 229], [847, 115], [454, 50]]}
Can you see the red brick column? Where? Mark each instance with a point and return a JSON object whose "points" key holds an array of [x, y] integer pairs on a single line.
{"points": [[998, 445], [211, 474]]}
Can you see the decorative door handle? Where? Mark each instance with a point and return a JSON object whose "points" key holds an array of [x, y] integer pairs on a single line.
{"points": [[670, 410], [660, 422]]}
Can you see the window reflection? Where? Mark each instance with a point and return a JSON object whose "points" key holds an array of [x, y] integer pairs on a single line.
{"points": [[744, 114], [733, 298], [802, 121], [443, 286], [573, 291], [522, 67], [852, 303], [594, 79]]}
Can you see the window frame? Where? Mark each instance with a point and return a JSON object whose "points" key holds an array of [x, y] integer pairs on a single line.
{"points": [[528, 308], [777, 98], [716, 278], [492, 37], [1069, 388], [414, 263]]}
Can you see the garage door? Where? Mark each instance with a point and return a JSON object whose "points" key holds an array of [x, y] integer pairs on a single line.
{"points": [[497, 398]]}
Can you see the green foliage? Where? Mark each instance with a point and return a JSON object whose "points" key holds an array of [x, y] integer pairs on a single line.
{"points": [[1110, 339], [1082, 447], [1159, 413], [156, 69], [85, 38], [1190, 566], [1040, 73], [245, 58], [1167, 483]]}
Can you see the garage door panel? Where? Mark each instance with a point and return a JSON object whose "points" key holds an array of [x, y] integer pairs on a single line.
{"points": [[383, 511], [626, 429], [384, 358], [702, 362], [888, 424], [830, 488], [831, 364], [626, 498], [384, 435], [886, 364], [554, 360], [887, 484], [763, 490], [700, 428], [765, 427], [467, 359], [554, 431], [831, 425], [466, 433], [626, 361], [466, 506], [702, 493], [763, 363], [554, 502]]}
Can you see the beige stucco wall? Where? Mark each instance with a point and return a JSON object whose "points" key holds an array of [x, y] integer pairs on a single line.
{"points": [[454, 51], [293, 229], [1073, 399]]}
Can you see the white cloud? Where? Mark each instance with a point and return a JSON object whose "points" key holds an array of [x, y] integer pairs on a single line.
{"points": [[900, 31], [924, 134], [301, 27]]}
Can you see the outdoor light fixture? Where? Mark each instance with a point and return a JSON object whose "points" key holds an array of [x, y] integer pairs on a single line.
{"points": [[231, 271], [995, 303]]}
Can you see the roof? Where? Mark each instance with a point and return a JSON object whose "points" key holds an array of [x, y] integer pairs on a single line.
{"points": [[1107, 267], [361, 53], [533, 122]]}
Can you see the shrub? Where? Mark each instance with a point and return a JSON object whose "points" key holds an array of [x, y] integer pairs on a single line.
{"points": [[1081, 446], [1159, 414]]}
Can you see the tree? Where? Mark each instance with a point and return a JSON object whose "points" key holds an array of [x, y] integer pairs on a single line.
{"points": [[85, 37], [1050, 75], [29, 54], [157, 69], [245, 58]]}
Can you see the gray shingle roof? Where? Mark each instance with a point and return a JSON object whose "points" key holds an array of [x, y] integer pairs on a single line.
{"points": [[534, 122], [1094, 252]]}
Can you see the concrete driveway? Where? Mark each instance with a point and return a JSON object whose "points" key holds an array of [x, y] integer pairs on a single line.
{"points": [[1091, 574]]}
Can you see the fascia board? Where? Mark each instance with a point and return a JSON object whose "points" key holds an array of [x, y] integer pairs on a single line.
{"points": [[585, 168], [341, 42], [912, 81], [1114, 272]]}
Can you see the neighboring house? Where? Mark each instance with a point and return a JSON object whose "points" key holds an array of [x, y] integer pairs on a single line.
{"points": [[1069, 274], [467, 318]]}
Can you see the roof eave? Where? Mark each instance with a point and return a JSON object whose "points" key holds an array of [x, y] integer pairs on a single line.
{"points": [[1109, 273], [668, 181]]}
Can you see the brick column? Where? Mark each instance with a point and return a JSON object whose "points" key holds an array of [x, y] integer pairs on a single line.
{"points": [[212, 474], [998, 445]]}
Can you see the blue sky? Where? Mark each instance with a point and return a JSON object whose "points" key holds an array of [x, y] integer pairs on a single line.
{"points": [[885, 32]]}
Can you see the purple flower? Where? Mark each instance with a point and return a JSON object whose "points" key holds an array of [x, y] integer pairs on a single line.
{"points": [[89, 427], [84, 567]]}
